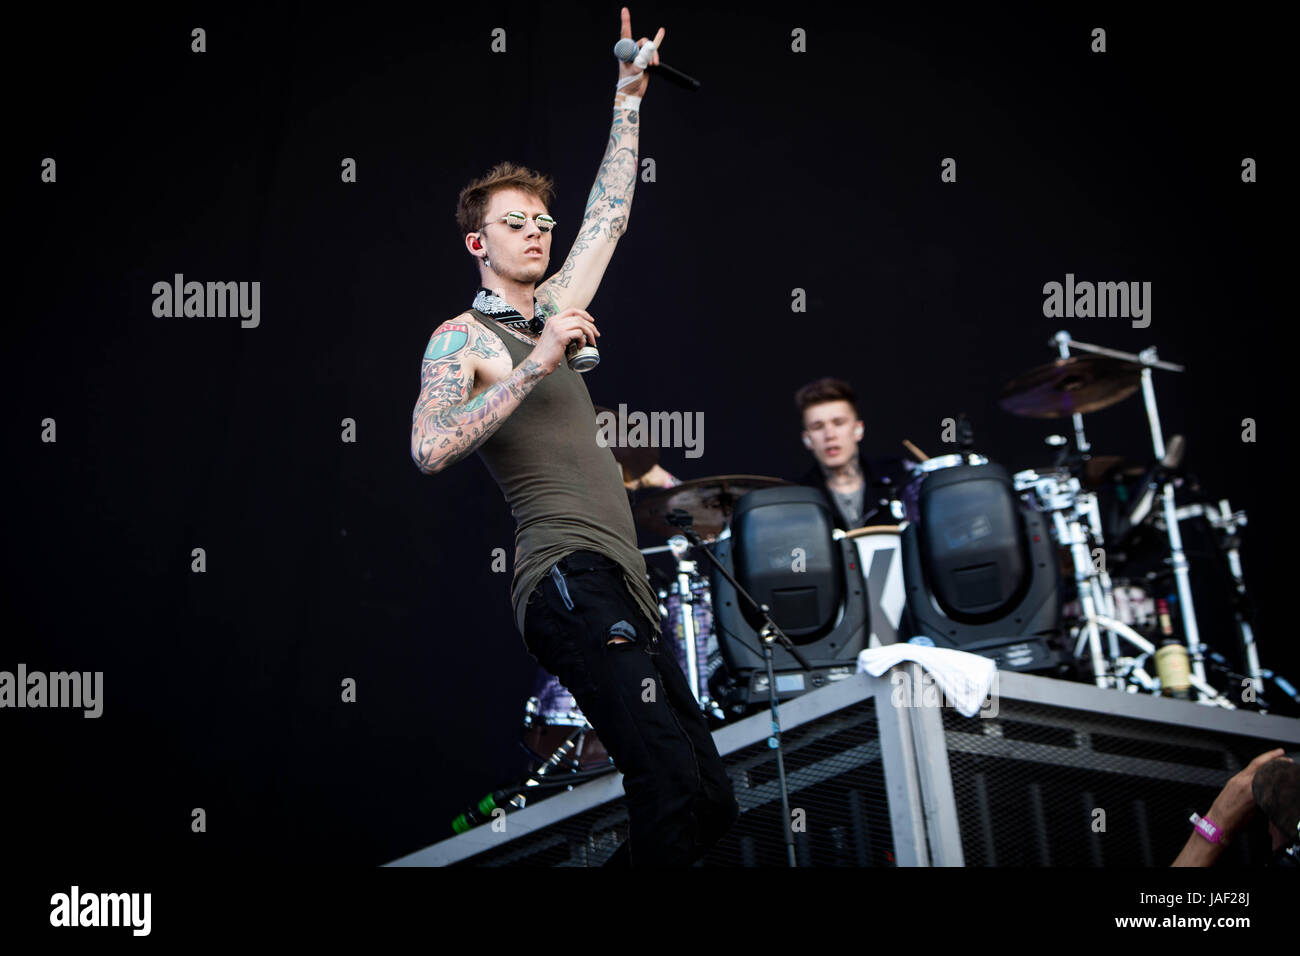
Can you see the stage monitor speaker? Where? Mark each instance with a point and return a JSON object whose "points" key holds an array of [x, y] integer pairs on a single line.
{"points": [[981, 571], [783, 553]]}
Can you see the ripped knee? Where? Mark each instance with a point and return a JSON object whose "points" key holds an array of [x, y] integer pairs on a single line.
{"points": [[621, 633]]}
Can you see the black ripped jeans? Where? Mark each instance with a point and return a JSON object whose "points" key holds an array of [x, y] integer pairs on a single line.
{"points": [[679, 797]]}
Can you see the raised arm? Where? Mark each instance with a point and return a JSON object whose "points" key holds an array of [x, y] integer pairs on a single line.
{"points": [[610, 201], [445, 427]]}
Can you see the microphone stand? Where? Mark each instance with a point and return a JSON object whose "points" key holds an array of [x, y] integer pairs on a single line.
{"points": [[680, 518]]}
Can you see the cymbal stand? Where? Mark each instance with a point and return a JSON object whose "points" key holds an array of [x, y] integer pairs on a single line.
{"points": [[1071, 509], [1227, 522], [1062, 340], [1070, 532], [1103, 589], [1178, 558]]}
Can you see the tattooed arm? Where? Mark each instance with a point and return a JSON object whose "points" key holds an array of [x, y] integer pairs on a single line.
{"points": [[608, 206], [444, 426], [574, 286]]}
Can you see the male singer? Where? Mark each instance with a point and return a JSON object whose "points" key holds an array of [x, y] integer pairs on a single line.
{"points": [[495, 380]]}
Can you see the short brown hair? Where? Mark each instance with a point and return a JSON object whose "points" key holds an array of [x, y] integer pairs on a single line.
{"points": [[825, 390], [471, 205]]}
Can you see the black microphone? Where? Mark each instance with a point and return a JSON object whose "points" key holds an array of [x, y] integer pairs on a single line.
{"points": [[626, 50]]}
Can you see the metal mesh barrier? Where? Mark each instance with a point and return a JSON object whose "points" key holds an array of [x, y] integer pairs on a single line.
{"points": [[833, 766], [1049, 786]]}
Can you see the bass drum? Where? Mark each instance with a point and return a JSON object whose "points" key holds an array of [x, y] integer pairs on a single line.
{"points": [[880, 559]]}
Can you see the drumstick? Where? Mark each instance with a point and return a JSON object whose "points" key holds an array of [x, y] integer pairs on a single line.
{"points": [[920, 455], [837, 534]]}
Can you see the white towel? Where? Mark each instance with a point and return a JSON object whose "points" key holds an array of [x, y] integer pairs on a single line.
{"points": [[964, 679]]}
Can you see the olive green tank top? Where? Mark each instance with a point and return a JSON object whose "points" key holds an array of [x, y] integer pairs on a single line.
{"points": [[565, 490]]}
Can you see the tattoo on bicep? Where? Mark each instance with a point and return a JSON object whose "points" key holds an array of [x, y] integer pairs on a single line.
{"points": [[449, 339], [545, 296]]}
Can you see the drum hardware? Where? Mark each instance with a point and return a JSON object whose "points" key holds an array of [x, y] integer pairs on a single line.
{"points": [[680, 518], [709, 501], [1139, 676], [1227, 523], [1143, 363], [555, 725], [1091, 592], [516, 796], [689, 586], [1076, 520], [948, 461]]}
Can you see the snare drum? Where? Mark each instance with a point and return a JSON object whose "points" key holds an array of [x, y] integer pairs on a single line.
{"points": [[880, 559]]}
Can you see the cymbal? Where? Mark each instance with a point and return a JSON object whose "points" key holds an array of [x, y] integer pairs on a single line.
{"points": [[710, 502], [1081, 383]]}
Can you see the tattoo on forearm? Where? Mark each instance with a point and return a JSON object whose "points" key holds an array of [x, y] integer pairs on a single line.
{"points": [[443, 430], [607, 205], [611, 194]]}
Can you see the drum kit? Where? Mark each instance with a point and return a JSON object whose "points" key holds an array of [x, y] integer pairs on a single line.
{"points": [[1116, 620]]}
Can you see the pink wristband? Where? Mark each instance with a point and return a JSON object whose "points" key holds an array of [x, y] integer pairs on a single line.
{"points": [[1207, 829]]}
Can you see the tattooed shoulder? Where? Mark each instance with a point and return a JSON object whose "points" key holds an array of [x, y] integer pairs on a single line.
{"points": [[486, 344], [487, 341], [448, 339]]}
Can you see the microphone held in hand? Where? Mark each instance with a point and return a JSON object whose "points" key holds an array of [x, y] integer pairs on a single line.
{"points": [[626, 50]]}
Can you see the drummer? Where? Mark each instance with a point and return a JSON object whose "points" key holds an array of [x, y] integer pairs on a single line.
{"points": [[641, 468], [857, 489]]}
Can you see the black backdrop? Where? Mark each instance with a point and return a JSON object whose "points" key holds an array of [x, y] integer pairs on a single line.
{"points": [[328, 560]]}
